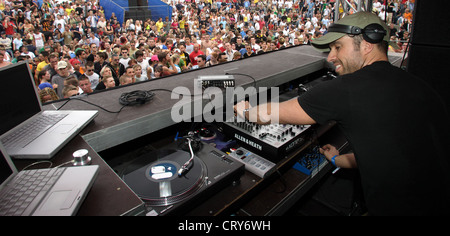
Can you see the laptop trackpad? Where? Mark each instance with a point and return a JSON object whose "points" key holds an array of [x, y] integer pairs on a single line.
{"points": [[60, 200], [63, 128]]}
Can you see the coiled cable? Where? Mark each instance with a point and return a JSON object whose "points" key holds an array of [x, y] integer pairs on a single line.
{"points": [[136, 97]]}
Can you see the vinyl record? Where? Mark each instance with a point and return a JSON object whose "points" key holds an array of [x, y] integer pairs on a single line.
{"points": [[206, 134], [158, 182]]}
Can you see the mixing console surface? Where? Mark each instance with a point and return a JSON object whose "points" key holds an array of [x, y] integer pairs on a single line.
{"points": [[270, 141]]}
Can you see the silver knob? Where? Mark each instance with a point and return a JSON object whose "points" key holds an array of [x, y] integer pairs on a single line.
{"points": [[81, 157]]}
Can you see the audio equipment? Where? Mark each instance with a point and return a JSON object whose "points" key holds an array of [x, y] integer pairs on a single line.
{"points": [[427, 56], [172, 181], [311, 162], [373, 33], [272, 141], [253, 162], [138, 10], [220, 81]]}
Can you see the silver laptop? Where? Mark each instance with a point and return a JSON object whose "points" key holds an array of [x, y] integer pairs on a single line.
{"points": [[26, 130], [52, 192]]}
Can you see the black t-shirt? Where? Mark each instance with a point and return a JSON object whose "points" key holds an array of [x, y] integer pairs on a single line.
{"points": [[79, 10], [397, 127]]}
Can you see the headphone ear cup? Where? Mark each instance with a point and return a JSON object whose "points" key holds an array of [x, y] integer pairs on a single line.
{"points": [[374, 33]]}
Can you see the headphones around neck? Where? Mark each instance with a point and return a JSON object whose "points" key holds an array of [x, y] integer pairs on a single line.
{"points": [[373, 33]]}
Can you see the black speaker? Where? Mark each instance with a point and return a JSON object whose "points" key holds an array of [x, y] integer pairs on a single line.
{"points": [[137, 3], [430, 23], [131, 14], [138, 14], [430, 45], [428, 63], [142, 3], [132, 3]]}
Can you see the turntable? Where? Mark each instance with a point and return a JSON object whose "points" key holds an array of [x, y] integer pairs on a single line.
{"points": [[172, 180], [212, 135]]}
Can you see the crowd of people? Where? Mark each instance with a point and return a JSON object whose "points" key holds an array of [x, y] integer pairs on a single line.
{"points": [[72, 48]]}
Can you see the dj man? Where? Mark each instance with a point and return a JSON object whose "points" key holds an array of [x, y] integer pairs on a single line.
{"points": [[396, 124]]}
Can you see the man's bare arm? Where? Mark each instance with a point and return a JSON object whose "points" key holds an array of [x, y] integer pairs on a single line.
{"points": [[288, 112]]}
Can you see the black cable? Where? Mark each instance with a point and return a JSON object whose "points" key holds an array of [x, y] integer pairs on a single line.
{"points": [[128, 99], [161, 89], [254, 80], [63, 104], [136, 97], [90, 103], [404, 54], [283, 183], [170, 91]]}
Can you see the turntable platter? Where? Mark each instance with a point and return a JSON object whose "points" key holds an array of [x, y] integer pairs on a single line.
{"points": [[158, 183], [207, 134]]}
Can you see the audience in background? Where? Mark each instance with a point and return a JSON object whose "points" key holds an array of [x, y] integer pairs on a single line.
{"points": [[75, 37]]}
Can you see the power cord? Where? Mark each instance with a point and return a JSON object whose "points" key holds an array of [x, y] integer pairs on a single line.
{"points": [[136, 97], [404, 54], [128, 99], [37, 163], [90, 103], [49, 162], [254, 80]]}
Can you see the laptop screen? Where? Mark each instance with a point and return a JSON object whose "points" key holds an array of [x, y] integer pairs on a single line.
{"points": [[18, 99]]}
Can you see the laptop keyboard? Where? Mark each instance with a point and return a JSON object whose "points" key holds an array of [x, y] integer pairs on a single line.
{"points": [[32, 130], [26, 190]]}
